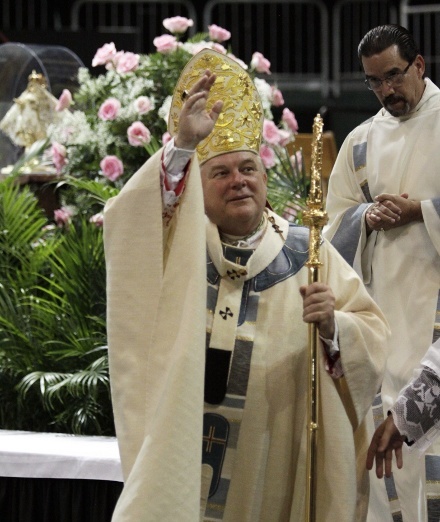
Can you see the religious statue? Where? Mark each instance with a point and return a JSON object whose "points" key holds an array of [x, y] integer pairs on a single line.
{"points": [[27, 121]]}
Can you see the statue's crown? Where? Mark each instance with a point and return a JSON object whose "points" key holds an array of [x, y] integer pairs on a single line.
{"points": [[240, 124]]}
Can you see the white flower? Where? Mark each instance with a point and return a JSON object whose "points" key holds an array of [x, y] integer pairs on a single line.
{"points": [[265, 91], [164, 111]]}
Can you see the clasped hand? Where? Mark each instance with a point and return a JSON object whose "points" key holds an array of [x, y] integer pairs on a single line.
{"points": [[392, 211]]}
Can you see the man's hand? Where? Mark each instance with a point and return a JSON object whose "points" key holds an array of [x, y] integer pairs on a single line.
{"points": [[195, 122], [392, 211], [319, 308], [386, 438]]}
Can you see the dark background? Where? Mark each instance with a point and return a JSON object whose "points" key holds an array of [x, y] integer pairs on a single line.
{"points": [[341, 112]]}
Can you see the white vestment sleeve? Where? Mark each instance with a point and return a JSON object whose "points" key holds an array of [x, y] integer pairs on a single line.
{"points": [[431, 217], [346, 206]]}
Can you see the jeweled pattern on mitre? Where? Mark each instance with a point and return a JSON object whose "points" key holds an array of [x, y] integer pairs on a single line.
{"points": [[239, 126]]}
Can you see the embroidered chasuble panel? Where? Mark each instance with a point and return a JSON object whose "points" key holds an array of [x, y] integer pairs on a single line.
{"points": [[232, 307], [226, 380]]}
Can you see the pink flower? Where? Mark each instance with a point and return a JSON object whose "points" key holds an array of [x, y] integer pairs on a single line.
{"points": [[111, 64], [138, 134], [97, 219], [64, 100], [104, 55], [271, 133], [143, 104], [285, 137], [109, 109], [62, 217], [289, 119], [218, 34], [219, 48], [199, 46], [127, 62], [112, 167], [166, 138], [267, 156], [165, 44], [59, 154], [260, 63], [177, 24], [277, 97]]}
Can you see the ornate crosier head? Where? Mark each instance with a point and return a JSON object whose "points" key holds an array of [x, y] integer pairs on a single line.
{"points": [[240, 124]]}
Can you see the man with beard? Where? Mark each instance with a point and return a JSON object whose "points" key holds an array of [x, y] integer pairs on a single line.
{"points": [[384, 210]]}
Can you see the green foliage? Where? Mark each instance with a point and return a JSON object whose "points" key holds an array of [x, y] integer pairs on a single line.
{"points": [[53, 358], [288, 186]]}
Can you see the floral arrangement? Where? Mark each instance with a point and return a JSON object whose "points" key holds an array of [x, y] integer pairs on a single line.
{"points": [[115, 120]]}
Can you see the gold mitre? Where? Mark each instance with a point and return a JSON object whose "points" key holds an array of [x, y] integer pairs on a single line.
{"points": [[240, 124]]}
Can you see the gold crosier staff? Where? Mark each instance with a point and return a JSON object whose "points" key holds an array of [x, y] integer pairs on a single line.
{"points": [[315, 218]]}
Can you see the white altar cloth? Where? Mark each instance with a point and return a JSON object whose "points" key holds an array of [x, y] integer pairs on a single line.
{"points": [[58, 455]]}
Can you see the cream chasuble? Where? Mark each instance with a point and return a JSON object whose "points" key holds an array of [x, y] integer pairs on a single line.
{"points": [[157, 324]]}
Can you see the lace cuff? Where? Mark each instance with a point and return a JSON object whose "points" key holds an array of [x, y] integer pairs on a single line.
{"points": [[416, 412]]}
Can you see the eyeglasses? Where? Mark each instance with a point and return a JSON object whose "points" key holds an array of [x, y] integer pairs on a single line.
{"points": [[394, 79]]}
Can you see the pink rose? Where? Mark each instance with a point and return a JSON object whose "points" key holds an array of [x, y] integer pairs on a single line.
{"points": [[62, 216], [165, 44], [111, 64], [127, 62], [64, 100], [289, 119], [260, 63], [142, 104], [109, 109], [138, 134], [277, 97], [177, 24], [97, 219], [285, 137], [218, 34], [104, 55], [59, 154], [112, 167], [166, 138], [219, 48], [271, 133], [199, 46], [267, 156]]}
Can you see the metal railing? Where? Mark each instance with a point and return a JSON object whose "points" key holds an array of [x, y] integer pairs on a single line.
{"points": [[310, 48], [142, 18], [291, 34], [27, 15], [352, 19], [424, 22]]}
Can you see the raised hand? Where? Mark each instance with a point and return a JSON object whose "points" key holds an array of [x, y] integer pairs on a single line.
{"points": [[195, 122]]}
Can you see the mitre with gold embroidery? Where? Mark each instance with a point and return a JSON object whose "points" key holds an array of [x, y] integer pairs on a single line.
{"points": [[240, 124]]}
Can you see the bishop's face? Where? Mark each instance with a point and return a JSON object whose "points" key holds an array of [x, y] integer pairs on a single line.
{"points": [[234, 189], [397, 83]]}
